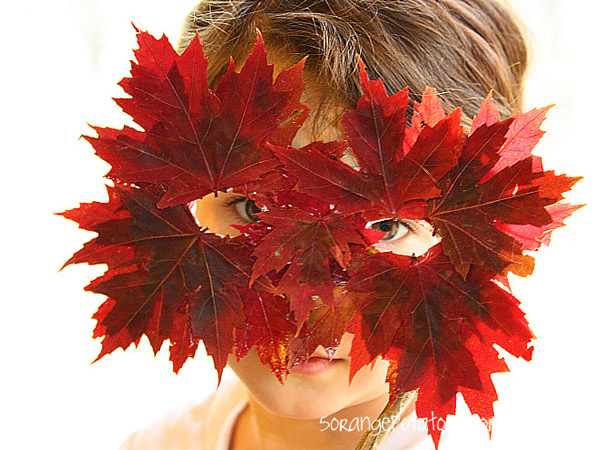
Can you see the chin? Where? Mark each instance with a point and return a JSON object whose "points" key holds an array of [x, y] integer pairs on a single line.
{"points": [[310, 393]]}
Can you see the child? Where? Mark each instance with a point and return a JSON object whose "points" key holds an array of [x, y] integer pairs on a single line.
{"points": [[463, 48]]}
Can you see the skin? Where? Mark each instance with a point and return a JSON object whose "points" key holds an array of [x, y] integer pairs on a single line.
{"points": [[292, 416]]}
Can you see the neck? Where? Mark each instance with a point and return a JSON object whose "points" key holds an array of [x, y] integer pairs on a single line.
{"points": [[258, 428]]}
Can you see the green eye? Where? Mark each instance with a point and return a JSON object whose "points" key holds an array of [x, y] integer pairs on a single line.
{"points": [[247, 209], [394, 229]]}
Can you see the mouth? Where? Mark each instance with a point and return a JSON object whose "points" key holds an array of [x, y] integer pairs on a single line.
{"points": [[319, 361], [315, 365]]}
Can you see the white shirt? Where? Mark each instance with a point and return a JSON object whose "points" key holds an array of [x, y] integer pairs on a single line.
{"points": [[209, 426]]}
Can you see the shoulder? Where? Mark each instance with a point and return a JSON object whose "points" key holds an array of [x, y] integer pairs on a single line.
{"points": [[194, 427]]}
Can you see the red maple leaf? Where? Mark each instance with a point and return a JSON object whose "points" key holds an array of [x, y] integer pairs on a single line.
{"points": [[127, 230], [166, 278], [496, 184], [437, 329], [303, 243], [268, 327], [388, 183], [196, 141]]}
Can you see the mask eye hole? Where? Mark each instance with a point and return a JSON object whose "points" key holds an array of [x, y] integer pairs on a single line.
{"points": [[247, 209], [394, 228]]}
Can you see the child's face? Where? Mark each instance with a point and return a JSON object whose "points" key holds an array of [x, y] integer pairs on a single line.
{"points": [[318, 387]]}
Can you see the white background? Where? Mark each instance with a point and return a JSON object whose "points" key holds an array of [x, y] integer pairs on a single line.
{"points": [[60, 62]]}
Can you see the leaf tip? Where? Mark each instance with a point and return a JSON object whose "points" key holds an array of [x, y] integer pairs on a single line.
{"points": [[259, 38]]}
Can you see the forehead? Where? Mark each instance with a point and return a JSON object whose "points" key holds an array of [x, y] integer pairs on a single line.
{"points": [[321, 125], [324, 119], [325, 112]]}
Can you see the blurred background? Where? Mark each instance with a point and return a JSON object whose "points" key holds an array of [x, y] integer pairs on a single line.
{"points": [[61, 61]]}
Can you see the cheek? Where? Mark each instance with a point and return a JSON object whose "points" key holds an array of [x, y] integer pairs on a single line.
{"points": [[416, 243]]}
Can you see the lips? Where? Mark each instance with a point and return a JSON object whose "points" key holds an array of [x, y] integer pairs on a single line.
{"points": [[318, 362], [315, 365]]}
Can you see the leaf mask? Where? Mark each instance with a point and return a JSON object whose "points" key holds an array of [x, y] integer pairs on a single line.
{"points": [[307, 272]]}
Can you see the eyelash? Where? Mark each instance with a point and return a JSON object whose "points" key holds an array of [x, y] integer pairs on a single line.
{"points": [[234, 201]]}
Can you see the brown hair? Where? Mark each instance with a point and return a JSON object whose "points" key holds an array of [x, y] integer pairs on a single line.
{"points": [[463, 48]]}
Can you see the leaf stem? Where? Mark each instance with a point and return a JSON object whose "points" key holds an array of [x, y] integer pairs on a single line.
{"points": [[373, 438]]}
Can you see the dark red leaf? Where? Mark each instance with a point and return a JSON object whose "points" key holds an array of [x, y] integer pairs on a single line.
{"points": [[388, 183], [268, 327], [437, 329], [162, 270], [196, 141], [303, 243]]}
